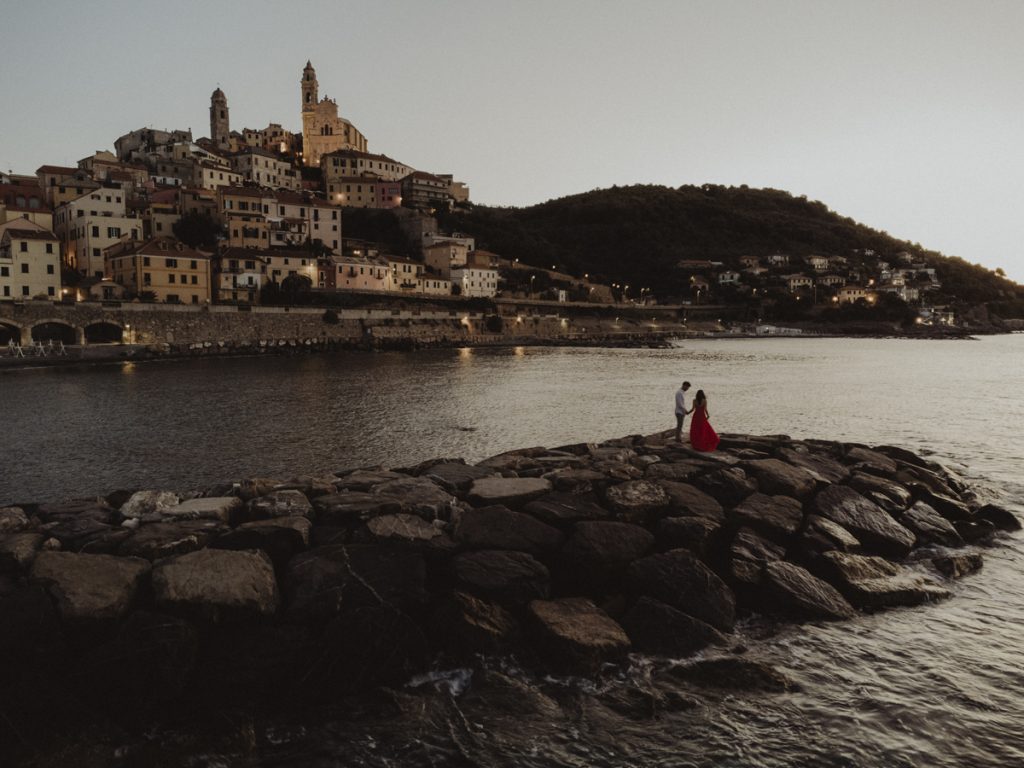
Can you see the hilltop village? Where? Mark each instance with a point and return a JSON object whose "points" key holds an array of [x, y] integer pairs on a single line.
{"points": [[257, 216]]}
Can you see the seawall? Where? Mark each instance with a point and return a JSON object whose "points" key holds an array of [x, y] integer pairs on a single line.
{"points": [[261, 594]]}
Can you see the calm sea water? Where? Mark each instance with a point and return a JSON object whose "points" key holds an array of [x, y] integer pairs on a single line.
{"points": [[942, 685]]}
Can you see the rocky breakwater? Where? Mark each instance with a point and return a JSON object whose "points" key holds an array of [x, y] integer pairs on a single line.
{"points": [[264, 594]]}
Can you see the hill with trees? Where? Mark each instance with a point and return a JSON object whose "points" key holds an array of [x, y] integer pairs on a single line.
{"points": [[638, 235]]}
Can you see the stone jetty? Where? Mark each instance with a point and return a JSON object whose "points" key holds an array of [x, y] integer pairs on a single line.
{"points": [[266, 593]]}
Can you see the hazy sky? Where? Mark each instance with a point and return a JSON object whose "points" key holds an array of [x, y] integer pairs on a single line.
{"points": [[908, 117]]}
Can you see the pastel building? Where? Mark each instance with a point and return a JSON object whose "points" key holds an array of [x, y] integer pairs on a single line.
{"points": [[169, 269], [323, 130], [29, 264], [92, 223]]}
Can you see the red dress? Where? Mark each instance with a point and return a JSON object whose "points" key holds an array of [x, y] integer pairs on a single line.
{"points": [[702, 436]]}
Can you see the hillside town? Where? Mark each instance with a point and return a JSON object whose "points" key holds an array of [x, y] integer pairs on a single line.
{"points": [[248, 216]]}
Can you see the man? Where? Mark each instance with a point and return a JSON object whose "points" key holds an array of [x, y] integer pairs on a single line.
{"points": [[681, 410]]}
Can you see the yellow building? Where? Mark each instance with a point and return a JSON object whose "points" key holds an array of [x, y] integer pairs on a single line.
{"points": [[29, 264], [169, 269], [323, 130]]}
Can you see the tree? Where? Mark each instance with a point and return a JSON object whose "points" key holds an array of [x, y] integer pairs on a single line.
{"points": [[197, 230]]}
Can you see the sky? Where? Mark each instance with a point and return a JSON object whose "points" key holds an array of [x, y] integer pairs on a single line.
{"points": [[908, 117]]}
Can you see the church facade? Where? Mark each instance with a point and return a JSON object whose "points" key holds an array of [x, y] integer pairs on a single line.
{"points": [[323, 130]]}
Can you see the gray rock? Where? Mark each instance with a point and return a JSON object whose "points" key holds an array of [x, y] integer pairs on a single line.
{"points": [[18, 550], [974, 530], [948, 507], [457, 478], [957, 566], [654, 627], [217, 585], [797, 592], [223, 509], [513, 461], [822, 468], [278, 504], [560, 509], [410, 530], [776, 477], [507, 491], [254, 487], [930, 527], [577, 635], [329, 580], [774, 515], [419, 495], [498, 527], [143, 503], [728, 486], [888, 494], [822, 535], [637, 500], [1000, 517], [735, 673], [351, 507], [679, 471], [311, 487], [159, 540], [680, 580], [281, 538], [513, 577], [872, 582], [688, 500], [576, 481], [874, 528], [617, 471], [750, 553], [465, 624], [871, 461], [697, 534], [90, 588], [365, 479], [12, 520]]}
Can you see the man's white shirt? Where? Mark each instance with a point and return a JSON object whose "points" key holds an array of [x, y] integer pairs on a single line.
{"points": [[680, 401]]}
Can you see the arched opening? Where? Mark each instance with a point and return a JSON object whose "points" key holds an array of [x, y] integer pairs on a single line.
{"points": [[9, 333], [54, 332], [103, 333]]}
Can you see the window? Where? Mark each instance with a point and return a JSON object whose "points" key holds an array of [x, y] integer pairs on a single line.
{"points": [[49, 247], [24, 269], [7, 290], [5, 272], [195, 280], [113, 232], [145, 261], [193, 264], [49, 269], [195, 299], [50, 291], [96, 252], [24, 290], [146, 278], [24, 248]]}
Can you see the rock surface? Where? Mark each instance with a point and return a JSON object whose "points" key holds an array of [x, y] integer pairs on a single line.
{"points": [[577, 634], [217, 585], [90, 587], [874, 528]]}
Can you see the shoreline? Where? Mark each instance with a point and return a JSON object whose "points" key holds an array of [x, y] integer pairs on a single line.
{"points": [[153, 606]]}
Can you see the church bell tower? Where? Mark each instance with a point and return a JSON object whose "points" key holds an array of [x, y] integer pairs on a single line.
{"points": [[220, 127], [310, 96]]}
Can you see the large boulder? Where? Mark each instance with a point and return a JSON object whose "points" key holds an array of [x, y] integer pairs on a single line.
{"points": [[509, 577], [145, 503], [217, 585], [700, 535], [419, 495], [655, 627], [90, 588], [735, 673], [874, 528], [18, 550], [873, 582], [325, 581], [795, 591], [688, 500], [930, 527], [637, 500], [409, 530], [365, 479], [455, 477], [224, 509], [577, 635], [773, 515], [507, 491], [278, 504], [956, 566], [598, 552], [822, 535], [749, 554], [821, 467], [947, 506], [871, 461], [1000, 517], [679, 579], [728, 486], [280, 537], [12, 520], [465, 624], [679, 471], [499, 527], [159, 540], [776, 477], [563, 509], [576, 480], [352, 507], [888, 494]]}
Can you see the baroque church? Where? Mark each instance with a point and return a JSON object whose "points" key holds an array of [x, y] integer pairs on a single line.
{"points": [[322, 130]]}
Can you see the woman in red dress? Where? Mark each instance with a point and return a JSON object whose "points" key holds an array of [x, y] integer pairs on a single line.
{"points": [[702, 436]]}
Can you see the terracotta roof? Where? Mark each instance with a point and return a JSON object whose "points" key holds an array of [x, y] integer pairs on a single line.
{"points": [[356, 153], [424, 176], [246, 191], [58, 169]]}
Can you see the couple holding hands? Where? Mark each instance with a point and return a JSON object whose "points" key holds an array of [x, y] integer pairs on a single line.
{"points": [[702, 436]]}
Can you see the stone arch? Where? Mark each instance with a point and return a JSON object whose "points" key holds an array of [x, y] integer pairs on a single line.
{"points": [[104, 332], [9, 331], [54, 329]]}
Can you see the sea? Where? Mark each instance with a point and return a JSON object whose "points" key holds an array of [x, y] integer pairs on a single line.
{"points": [[937, 685]]}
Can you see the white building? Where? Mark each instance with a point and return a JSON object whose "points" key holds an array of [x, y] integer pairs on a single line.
{"points": [[29, 264], [92, 223], [476, 281]]}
